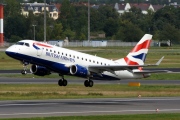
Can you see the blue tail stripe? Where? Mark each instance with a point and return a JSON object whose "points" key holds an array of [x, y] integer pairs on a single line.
{"points": [[141, 56]]}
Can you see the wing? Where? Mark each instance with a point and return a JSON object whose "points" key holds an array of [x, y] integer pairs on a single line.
{"points": [[112, 68]]}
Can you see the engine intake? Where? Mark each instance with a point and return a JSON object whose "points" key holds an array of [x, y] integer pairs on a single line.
{"points": [[39, 70], [78, 70]]}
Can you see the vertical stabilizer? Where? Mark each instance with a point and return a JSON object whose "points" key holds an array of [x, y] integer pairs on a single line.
{"points": [[138, 54]]}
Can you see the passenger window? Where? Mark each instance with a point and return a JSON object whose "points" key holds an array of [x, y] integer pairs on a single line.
{"points": [[50, 50], [58, 52], [46, 49], [54, 51]]}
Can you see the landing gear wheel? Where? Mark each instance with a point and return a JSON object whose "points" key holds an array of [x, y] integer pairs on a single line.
{"points": [[24, 72], [65, 82], [86, 83], [62, 82], [91, 83]]}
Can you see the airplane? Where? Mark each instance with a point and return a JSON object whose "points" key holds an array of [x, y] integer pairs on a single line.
{"points": [[46, 58]]}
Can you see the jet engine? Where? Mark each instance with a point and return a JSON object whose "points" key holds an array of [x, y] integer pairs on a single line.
{"points": [[39, 70], [78, 70]]}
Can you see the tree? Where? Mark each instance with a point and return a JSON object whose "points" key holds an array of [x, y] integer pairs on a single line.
{"points": [[111, 27], [171, 33], [65, 13], [164, 16], [129, 32], [12, 8], [58, 32], [15, 26]]}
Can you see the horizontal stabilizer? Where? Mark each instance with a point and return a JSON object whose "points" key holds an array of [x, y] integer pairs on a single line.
{"points": [[151, 71]]}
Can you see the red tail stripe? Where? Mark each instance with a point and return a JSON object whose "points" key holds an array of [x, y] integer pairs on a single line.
{"points": [[129, 62], [144, 45]]}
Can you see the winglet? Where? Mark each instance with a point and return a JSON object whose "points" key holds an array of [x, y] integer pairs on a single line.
{"points": [[160, 60]]}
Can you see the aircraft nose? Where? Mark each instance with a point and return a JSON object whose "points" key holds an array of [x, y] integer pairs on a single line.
{"points": [[9, 51]]}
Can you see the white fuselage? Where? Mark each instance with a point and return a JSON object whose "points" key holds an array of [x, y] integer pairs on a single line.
{"points": [[55, 58]]}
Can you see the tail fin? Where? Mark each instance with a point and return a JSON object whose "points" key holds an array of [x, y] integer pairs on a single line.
{"points": [[138, 54]]}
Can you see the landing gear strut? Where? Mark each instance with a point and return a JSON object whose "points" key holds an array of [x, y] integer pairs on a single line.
{"points": [[62, 82], [88, 83], [24, 71]]}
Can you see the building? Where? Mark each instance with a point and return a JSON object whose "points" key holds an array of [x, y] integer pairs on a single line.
{"points": [[125, 7], [38, 8]]}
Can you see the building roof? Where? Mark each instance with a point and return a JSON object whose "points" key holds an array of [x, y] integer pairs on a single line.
{"points": [[157, 7], [142, 6]]}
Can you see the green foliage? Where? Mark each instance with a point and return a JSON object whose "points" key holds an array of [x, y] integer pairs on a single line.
{"points": [[155, 116], [73, 22], [15, 38], [169, 32], [129, 32]]}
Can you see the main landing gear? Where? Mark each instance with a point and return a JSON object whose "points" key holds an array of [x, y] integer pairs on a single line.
{"points": [[88, 83], [62, 82]]}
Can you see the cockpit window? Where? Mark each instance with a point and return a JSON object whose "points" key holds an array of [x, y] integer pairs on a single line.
{"points": [[20, 43], [27, 44]]}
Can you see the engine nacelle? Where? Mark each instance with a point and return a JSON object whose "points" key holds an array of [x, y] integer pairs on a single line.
{"points": [[39, 70], [78, 70]]}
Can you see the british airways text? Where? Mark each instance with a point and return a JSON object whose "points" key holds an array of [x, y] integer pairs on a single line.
{"points": [[53, 55]]}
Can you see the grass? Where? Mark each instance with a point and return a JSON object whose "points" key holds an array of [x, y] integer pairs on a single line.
{"points": [[51, 91], [164, 76], [164, 116]]}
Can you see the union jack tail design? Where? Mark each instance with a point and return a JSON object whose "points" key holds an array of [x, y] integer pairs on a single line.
{"points": [[138, 54]]}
